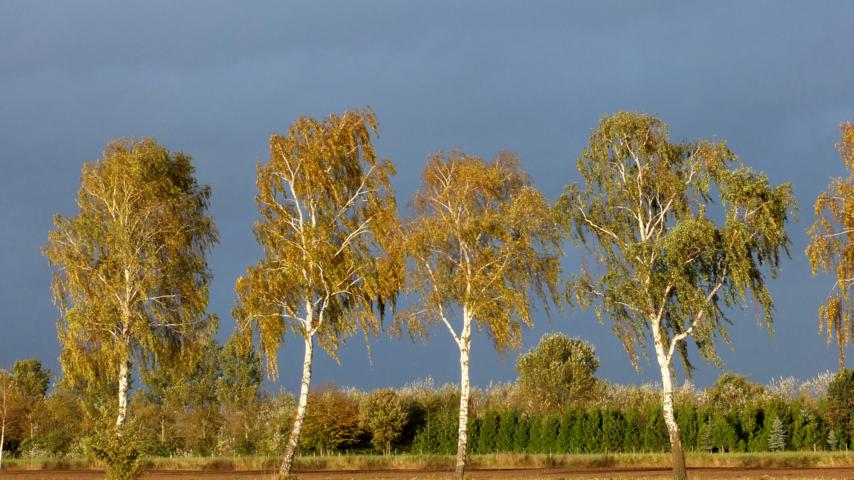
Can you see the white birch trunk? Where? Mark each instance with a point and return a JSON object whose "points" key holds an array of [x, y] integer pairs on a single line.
{"points": [[124, 384], [293, 441], [2, 441], [465, 387], [124, 367], [666, 367], [4, 412], [2, 436]]}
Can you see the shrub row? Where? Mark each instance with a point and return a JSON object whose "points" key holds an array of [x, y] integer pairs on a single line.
{"points": [[629, 430]]}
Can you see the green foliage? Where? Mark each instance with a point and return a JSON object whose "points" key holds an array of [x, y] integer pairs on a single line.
{"points": [[732, 391], [60, 426], [432, 424], [724, 434], [522, 435], [806, 429], [121, 455], [507, 425], [9, 410], [777, 437], [186, 402], [613, 430], [238, 395], [438, 433], [670, 269], [840, 404], [623, 419], [831, 249], [832, 440], [632, 440], [689, 423], [130, 269], [487, 432], [239, 374], [549, 434], [653, 433], [534, 434], [383, 414], [566, 436], [750, 420], [705, 440], [23, 404], [558, 371], [31, 378]]}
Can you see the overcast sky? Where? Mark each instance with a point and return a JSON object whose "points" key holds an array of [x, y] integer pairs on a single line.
{"points": [[214, 79]]}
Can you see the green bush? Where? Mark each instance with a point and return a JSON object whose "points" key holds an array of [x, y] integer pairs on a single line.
{"points": [[507, 424], [840, 405], [120, 454]]}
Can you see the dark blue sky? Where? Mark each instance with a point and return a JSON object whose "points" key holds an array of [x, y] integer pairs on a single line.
{"points": [[215, 79]]}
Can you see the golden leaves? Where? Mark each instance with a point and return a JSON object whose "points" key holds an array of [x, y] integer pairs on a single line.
{"points": [[328, 228], [831, 248], [667, 266], [483, 240], [130, 275]]}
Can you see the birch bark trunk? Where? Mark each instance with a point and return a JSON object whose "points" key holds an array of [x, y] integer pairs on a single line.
{"points": [[124, 384], [293, 441], [465, 387], [124, 366], [2, 441], [4, 419], [2, 434], [664, 363]]}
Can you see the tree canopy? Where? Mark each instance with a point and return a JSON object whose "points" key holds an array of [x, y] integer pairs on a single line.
{"points": [[483, 243], [131, 277], [328, 230], [558, 371], [645, 212], [831, 247], [672, 268], [483, 240], [383, 414], [328, 219]]}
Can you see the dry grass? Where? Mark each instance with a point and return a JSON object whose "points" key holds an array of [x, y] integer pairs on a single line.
{"points": [[446, 462]]}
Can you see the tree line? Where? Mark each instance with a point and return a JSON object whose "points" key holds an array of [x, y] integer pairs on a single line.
{"points": [[684, 233], [220, 410]]}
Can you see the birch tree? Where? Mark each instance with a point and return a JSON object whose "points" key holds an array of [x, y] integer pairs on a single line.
{"points": [[831, 248], [5, 387], [670, 269], [7, 398], [130, 269], [328, 220], [483, 243]]}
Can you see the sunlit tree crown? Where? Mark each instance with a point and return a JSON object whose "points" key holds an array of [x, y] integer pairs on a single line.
{"points": [[646, 202], [328, 220], [483, 239], [831, 247]]}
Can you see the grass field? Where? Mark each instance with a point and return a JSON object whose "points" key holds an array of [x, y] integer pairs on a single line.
{"points": [[427, 463], [500, 474]]}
